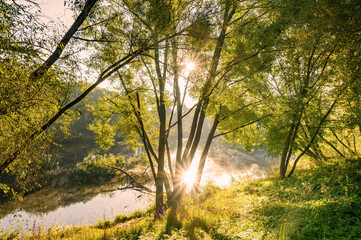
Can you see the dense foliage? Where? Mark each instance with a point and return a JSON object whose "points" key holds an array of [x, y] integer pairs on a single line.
{"points": [[24, 104], [278, 75]]}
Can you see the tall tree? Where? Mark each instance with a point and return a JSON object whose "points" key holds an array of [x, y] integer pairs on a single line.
{"points": [[306, 80], [38, 79], [210, 41]]}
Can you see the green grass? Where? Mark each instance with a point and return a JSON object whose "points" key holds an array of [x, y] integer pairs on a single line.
{"points": [[318, 202]]}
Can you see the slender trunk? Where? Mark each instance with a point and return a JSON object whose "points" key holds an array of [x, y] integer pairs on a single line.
{"points": [[178, 164], [342, 143], [199, 114], [228, 14], [204, 155], [198, 134], [150, 160], [313, 155], [313, 137], [170, 162], [287, 149], [333, 147], [292, 135], [161, 156], [179, 189], [191, 134], [354, 142], [296, 121], [40, 71], [142, 132], [160, 181], [318, 152]]}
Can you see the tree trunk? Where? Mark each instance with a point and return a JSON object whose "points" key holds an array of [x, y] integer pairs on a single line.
{"points": [[342, 143], [333, 147], [287, 149], [313, 137], [160, 181], [40, 71], [198, 134], [178, 165], [199, 115], [204, 155]]}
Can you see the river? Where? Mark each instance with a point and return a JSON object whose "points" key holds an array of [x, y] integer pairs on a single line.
{"points": [[88, 210], [101, 207]]}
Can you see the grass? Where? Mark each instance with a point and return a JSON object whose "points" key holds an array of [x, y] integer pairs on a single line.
{"points": [[318, 202]]}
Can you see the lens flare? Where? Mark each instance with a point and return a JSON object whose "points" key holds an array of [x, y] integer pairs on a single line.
{"points": [[189, 178], [190, 66]]}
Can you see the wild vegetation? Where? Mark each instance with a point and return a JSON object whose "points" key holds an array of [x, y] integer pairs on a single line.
{"points": [[277, 75], [318, 202]]}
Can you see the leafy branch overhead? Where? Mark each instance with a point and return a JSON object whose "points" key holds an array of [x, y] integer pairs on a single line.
{"points": [[278, 75]]}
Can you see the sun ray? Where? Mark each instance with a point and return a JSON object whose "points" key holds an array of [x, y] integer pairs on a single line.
{"points": [[189, 178], [190, 66]]}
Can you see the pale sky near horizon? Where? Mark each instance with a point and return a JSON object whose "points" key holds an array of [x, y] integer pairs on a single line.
{"points": [[54, 10]]}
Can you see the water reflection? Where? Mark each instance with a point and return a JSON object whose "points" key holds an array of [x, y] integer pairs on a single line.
{"points": [[103, 206], [59, 209]]}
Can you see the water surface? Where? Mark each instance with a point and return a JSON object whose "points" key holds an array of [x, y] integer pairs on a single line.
{"points": [[103, 206], [88, 210]]}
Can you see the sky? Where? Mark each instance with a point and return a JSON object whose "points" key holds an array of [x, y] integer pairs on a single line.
{"points": [[54, 10]]}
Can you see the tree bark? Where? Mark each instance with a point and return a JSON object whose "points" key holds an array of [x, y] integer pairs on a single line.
{"points": [[40, 71], [204, 155], [178, 165], [313, 137], [287, 149], [160, 181]]}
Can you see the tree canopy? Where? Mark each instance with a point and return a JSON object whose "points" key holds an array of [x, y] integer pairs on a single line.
{"points": [[279, 75]]}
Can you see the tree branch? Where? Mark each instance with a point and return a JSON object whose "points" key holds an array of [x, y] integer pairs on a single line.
{"points": [[93, 40], [313, 137], [40, 71], [244, 125]]}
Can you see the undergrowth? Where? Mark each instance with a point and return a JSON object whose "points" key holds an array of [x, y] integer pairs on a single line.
{"points": [[318, 202]]}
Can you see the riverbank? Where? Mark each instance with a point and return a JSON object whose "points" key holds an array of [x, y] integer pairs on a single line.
{"points": [[318, 202]]}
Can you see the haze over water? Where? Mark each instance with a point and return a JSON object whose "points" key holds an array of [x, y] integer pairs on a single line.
{"points": [[107, 205]]}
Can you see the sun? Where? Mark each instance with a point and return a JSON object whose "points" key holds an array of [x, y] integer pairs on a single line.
{"points": [[190, 66], [189, 178]]}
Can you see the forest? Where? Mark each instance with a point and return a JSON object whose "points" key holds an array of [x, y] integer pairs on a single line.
{"points": [[142, 93]]}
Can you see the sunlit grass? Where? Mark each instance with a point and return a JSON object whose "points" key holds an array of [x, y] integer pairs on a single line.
{"points": [[124, 226], [318, 202]]}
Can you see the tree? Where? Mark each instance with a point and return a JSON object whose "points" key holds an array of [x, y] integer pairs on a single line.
{"points": [[23, 103], [307, 81], [147, 105], [38, 80]]}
